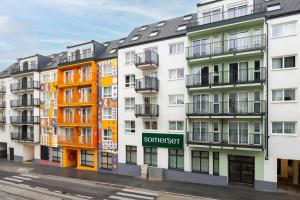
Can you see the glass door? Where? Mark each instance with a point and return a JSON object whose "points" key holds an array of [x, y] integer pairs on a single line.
{"points": [[233, 97], [233, 73], [243, 72], [257, 102], [243, 102], [243, 40]]}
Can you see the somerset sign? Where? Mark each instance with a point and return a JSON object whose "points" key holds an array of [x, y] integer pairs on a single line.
{"points": [[162, 140]]}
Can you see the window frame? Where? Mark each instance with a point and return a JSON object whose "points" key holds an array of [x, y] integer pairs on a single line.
{"points": [[283, 61], [151, 154], [107, 164], [176, 99], [176, 124], [283, 90], [176, 74], [176, 161], [107, 137], [283, 29], [131, 107], [107, 116], [131, 83], [131, 149], [85, 162], [200, 157], [105, 94], [131, 129], [283, 128], [177, 49]]}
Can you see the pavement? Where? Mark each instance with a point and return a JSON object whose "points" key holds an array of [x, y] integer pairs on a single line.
{"points": [[95, 185]]}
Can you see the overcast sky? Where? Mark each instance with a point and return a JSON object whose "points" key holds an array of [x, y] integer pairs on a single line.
{"points": [[28, 27]]}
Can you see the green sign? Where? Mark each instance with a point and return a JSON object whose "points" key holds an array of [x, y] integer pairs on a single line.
{"points": [[163, 140]]}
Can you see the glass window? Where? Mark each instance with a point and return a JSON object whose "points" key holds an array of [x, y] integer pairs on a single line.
{"points": [[129, 80], [176, 125], [154, 33], [284, 128], [150, 156], [87, 158], [289, 62], [131, 154], [55, 154], [107, 92], [150, 125], [284, 29], [107, 113], [130, 126], [200, 161], [107, 135], [284, 62], [216, 163], [176, 99], [176, 159], [129, 104], [129, 57], [106, 160], [283, 95], [107, 70], [181, 27], [176, 74], [176, 48], [273, 7]]}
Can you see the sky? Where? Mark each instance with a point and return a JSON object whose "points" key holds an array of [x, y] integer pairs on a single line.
{"points": [[28, 27]]}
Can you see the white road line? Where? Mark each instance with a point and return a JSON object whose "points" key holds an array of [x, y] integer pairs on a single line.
{"points": [[28, 175], [134, 195], [12, 179], [22, 178], [87, 197], [41, 188], [140, 192], [120, 198]]}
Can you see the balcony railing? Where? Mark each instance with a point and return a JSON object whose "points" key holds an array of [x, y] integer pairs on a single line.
{"points": [[29, 85], [86, 140], [218, 16], [77, 57], [25, 120], [24, 102], [146, 60], [66, 138], [147, 110], [230, 46], [2, 104], [226, 108], [22, 136], [85, 119], [255, 140], [83, 79], [2, 119], [241, 76], [31, 68], [2, 89], [148, 84]]}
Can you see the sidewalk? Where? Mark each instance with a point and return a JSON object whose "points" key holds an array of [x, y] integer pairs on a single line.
{"points": [[208, 191]]}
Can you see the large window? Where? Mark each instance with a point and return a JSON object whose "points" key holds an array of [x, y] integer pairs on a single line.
{"points": [[55, 154], [44, 153], [288, 128], [284, 62], [107, 70], [216, 163], [129, 57], [131, 155], [284, 29], [283, 95], [200, 161], [130, 80], [150, 125], [176, 48], [175, 74], [176, 159], [129, 126], [107, 113], [150, 156], [106, 160], [107, 135], [129, 104], [176, 125], [107, 92], [176, 99], [87, 158]]}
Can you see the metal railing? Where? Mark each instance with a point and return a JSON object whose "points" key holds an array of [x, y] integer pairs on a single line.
{"points": [[232, 13], [22, 136], [241, 76], [147, 110], [77, 57], [20, 70], [66, 138], [146, 84], [86, 139], [230, 46], [226, 108], [25, 102], [146, 58], [25, 119], [226, 139], [28, 85]]}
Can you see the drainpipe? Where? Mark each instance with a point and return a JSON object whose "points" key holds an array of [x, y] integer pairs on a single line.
{"points": [[267, 95]]}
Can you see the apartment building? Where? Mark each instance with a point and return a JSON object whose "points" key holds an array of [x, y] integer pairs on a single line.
{"points": [[151, 111], [50, 151]]}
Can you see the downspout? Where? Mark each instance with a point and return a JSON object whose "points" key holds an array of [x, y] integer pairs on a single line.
{"points": [[267, 92]]}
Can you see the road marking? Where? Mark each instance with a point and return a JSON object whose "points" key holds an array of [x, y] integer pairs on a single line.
{"points": [[41, 188], [133, 195], [119, 198], [28, 175], [140, 192], [77, 195], [12, 179], [23, 178]]}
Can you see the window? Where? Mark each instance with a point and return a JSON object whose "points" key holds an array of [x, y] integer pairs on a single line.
{"points": [[135, 37], [87, 158], [150, 156], [107, 70], [161, 24], [176, 48], [143, 28], [284, 29], [85, 136], [283, 95], [187, 17], [69, 115], [45, 113], [106, 44], [176, 159], [150, 125], [107, 113], [45, 131], [112, 51], [129, 57], [181, 27], [68, 76], [121, 41], [153, 33], [175, 74], [176, 125], [130, 80], [106, 160], [129, 104], [85, 115], [176, 99], [200, 161], [284, 62], [129, 126], [237, 11], [273, 7], [288, 128], [131, 155], [86, 74], [86, 53], [107, 135], [216, 163], [107, 92], [55, 154], [212, 16], [44, 153]]}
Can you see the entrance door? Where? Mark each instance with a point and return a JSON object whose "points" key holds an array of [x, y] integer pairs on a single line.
{"points": [[24, 132], [233, 72], [11, 154], [241, 169]]}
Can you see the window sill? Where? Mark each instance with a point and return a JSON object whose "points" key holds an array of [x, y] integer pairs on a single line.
{"points": [[283, 69], [280, 102], [176, 131], [283, 36], [175, 105], [289, 135], [177, 79]]}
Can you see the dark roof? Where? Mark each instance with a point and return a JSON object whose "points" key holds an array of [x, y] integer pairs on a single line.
{"points": [[111, 45], [287, 7], [7, 72], [55, 60], [169, 30], [206, 3]]}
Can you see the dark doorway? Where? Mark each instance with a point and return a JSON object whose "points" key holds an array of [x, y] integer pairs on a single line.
{"points": [[233, 72], [241, 169], [204, 76], [25, 66], [24, 116], [24, 82], [24, 132], [11, 154], [24, 100]]}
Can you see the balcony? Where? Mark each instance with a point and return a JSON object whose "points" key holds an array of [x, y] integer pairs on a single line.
{"points": [[71, 121], [66, 139], [2, 89], [22, 136], [25, 86], [147, 85], [23, 120], [24, 103], [77, 57], [243, 140], [227, 47], [146, 60], [147, 110], [231, 108], [222, 78], [2, 104], [78, 141], [2, 119], [32, 68], [83, 80], [231, 16]]}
